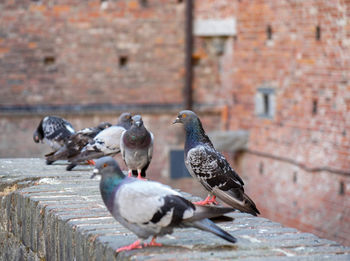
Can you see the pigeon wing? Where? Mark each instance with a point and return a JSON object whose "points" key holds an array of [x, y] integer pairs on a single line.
{"points": [[218, 177], [151, 204], [55, 128], [211, 168]]}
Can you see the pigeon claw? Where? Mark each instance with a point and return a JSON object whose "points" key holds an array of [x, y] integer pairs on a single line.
{"points": [[153, 243], [135, 245], [91, 162], [209, 200]]}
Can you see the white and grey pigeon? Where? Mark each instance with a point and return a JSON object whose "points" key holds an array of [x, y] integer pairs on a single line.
{"points": [[105, 143], [136, 146], [76, 142], [54, 131], [151, 209], [211, 168]]}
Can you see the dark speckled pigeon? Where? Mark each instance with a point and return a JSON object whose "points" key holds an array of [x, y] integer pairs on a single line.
{"points": [[54, 131], [136, 146], [76, 142], [106, 143], [151, 209], [211, 168]]}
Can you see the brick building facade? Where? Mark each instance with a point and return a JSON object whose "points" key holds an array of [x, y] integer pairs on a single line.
{"points": [[280, 70]]}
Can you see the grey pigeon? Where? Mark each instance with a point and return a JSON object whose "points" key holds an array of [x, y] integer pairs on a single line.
{"points": [[211, 168], [149, 208], [136, 146], [76, 142], [105, 143], [54, 131]]}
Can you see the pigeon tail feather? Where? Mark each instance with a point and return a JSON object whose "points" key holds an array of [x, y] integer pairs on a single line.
{"points": [[209, 226], [202, 212], [238, 200]]}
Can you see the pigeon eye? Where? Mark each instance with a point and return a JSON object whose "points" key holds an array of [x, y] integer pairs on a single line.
{"points": [[105, 165], [184, 115]]}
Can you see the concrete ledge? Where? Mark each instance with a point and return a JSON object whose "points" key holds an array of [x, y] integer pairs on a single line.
{"points": [[48, 213]]}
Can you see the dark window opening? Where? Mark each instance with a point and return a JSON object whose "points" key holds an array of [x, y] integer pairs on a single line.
{"points": [[314, 107], [266, 104], [143, 3], [177, 165], [341, 188], [261, 168], [195, 60], [295, 177], [269, 32], [318, 33], [123, 62], [49, 60]]}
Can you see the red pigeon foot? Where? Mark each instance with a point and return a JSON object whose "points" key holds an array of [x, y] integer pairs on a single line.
{"points": [[207, 201], [132, 246]]}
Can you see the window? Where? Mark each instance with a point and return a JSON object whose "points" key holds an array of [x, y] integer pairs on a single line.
{"points": [[265, 103], [177, 165]]}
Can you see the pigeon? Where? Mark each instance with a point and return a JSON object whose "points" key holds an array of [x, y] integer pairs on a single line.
{"points": [[149, 208], [54, 131], [136, 146], [211, 168], [76, 142], [105, 143]]}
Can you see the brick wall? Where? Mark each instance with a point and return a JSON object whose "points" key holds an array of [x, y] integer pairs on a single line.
{"points": [[71, 52], [310, 127], [121, 52]]}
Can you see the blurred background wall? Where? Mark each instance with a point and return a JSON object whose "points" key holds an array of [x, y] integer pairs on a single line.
{"points": [[280, 70]]}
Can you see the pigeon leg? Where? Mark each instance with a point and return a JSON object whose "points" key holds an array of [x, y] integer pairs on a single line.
{"points": [[153, 242], [136, 244], [130, 173], [210, 199], [91, 162], [139, 175]]}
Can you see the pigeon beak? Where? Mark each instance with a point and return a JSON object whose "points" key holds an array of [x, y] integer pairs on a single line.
{"points": [[177, 120], [138, 123], [95, 173]]}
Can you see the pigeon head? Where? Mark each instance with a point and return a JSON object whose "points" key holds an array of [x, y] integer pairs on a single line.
{"points": [[137, 120], [193, 126], [188, 118], [104, 125], [38, 134], [125, 120], [107, 167]]}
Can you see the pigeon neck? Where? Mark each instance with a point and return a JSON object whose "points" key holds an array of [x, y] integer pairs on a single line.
{"points": [[194, 135], [108, 185]]}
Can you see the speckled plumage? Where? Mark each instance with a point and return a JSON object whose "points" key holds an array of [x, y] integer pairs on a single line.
{"points": [[210, 167], [54, 131]]}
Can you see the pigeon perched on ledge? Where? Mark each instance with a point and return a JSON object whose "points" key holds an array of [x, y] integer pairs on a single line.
{"points": [[54, 131], [211, 168], [105, 143], [149, 208], [136, 146], [77, 141]]}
